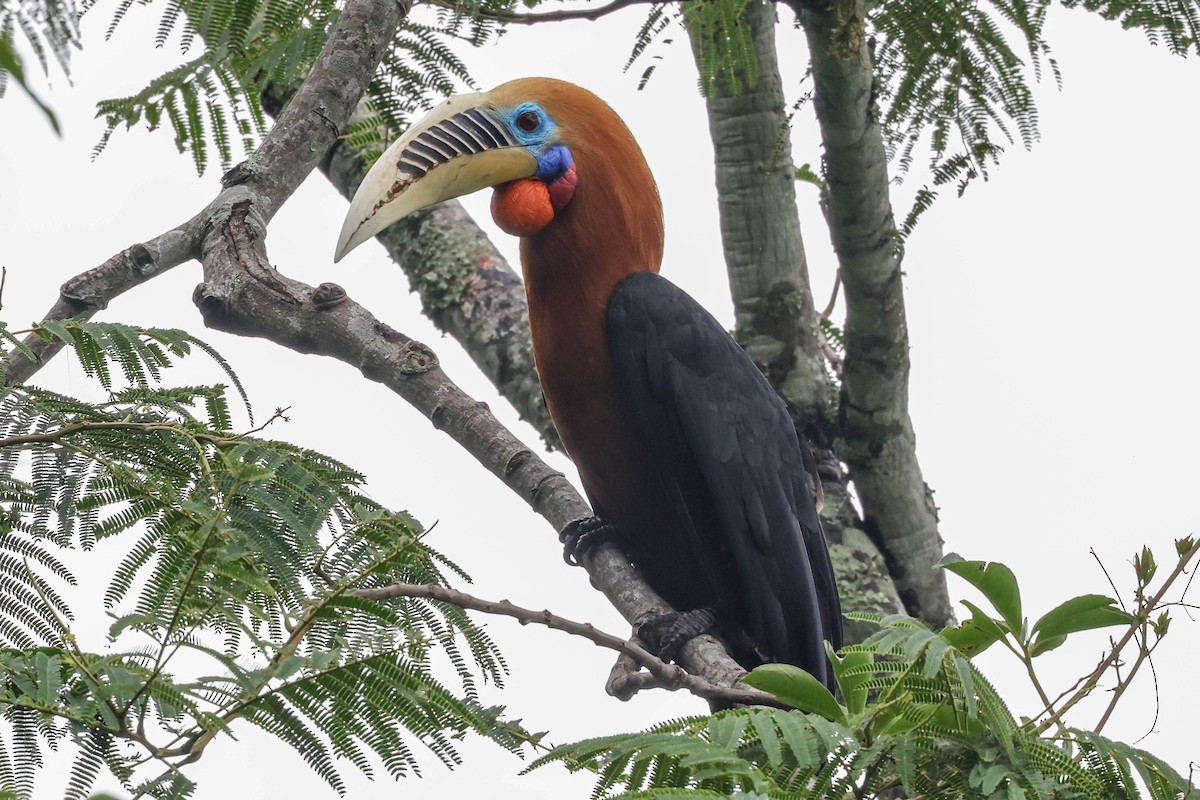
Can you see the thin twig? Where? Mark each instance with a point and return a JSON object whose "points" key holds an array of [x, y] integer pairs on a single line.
{"points": [[1115, 652], [1108, 577], [665, 675], [1157, 702], [90, 292], [833, 295], [836, 362], [51, 437], [509, 18], [1144, 656], [280, 414]]}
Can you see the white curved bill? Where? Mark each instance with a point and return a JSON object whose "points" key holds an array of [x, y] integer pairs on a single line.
{"points": [[457, 148]]}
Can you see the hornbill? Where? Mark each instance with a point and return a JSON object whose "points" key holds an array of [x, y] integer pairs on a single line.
{"points": [[688, 456]]}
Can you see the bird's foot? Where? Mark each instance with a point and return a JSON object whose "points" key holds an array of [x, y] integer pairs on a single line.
{"points": [[582, 535], [665, 634]]}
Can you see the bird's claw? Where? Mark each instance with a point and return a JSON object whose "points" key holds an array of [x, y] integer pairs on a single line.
{"points": [[581, 535], [665, 634]]}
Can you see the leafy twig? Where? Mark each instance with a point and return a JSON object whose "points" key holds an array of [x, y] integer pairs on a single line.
{"points": [[1105, 664]]}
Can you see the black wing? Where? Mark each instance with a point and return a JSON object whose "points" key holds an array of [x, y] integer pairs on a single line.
{"points": [[727, 446]]}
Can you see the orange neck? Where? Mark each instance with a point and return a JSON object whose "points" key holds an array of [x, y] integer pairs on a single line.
{"points": [[613, 225], [612, 228]]}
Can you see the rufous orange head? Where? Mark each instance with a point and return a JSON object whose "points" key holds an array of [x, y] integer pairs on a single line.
{"points": [[554, 153]]}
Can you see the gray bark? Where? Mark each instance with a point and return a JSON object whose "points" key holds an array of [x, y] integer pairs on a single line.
{"points": [[242, 294], [878, 443], [768, 278], [760, 228], [90, 292], [467, 288]]}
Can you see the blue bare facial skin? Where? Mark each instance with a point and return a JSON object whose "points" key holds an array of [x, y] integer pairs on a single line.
{"points": [[536, 130], [554, 162]]}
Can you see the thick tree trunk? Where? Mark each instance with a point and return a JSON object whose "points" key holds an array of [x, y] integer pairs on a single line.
{"points": [[760, 228], [777, 319], [878, 442], [768, 278]]}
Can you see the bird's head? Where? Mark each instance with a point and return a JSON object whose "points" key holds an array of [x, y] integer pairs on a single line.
{"points": [[536, 140]]}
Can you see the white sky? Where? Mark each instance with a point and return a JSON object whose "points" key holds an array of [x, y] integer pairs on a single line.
{"points": [[1053, 347]]}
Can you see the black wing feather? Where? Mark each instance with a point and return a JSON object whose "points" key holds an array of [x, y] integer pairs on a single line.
{"points": [[728, 451]]}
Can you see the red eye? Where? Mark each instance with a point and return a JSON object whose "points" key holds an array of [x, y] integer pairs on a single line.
{"points": [[529, 121]]}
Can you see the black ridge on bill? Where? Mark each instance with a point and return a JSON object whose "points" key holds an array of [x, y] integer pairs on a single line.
{"points": [[467, 132], [454, 132]]}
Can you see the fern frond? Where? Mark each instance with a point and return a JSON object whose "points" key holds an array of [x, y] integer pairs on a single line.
{"points": [[93, 746]]}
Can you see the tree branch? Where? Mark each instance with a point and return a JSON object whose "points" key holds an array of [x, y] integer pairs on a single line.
{"points": [[66, 431], [1142, 614], [243, 294], [508, 18], [662, 674], [85, 294], [760, 223], [879, 442]]}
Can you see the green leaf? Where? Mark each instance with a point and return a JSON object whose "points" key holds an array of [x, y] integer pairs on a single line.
{"points": [[49, 679], [995, 581], [988, 778], [905, 718], [10, 64], [993, 626], [797, 688], [852, 676], [1082, 613], [976, 634], [1045, 645], [805, 174], [968, 638]]}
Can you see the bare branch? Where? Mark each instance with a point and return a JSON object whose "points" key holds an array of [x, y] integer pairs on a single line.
{"points": [[66, 431], [242, 294], [467, 289], [659, 674], [833, 295], [85, 294], [590, 14]]}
